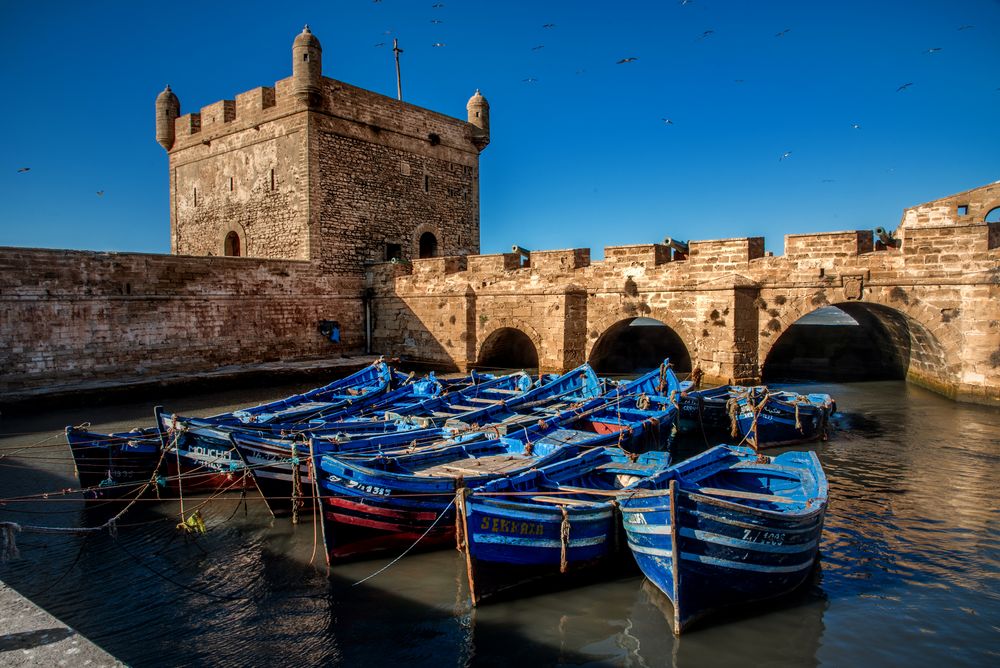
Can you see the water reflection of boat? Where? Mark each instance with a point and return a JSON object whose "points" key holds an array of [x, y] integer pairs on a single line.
{"points": [[727, 527]]}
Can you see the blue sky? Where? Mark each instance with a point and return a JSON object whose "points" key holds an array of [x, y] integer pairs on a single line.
{"points": [[581, 155]]}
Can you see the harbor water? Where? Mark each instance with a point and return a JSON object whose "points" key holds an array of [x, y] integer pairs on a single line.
{"points": [[909, 572]]}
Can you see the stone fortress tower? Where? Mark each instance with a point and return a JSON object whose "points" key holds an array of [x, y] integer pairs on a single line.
{"points": [[316, 169]]}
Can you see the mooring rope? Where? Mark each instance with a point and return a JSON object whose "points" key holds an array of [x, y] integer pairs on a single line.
{"points": [[407, 550]]}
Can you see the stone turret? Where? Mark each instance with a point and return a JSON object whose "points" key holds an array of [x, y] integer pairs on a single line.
{"points": [[479, 117], [307, 67], [168, 108]]}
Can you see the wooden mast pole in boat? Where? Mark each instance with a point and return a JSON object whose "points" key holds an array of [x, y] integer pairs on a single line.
{"points": [[675, 557]]}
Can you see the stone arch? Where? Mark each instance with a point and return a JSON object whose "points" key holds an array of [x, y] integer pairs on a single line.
{"points": [[604, 322], [620, 348], [419, 232], [929, 335], [229, 234], [504, 332], [992, 210]]}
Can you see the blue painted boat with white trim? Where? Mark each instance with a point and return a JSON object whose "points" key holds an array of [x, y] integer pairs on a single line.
{"points": [[746, 527], [558, 523]]}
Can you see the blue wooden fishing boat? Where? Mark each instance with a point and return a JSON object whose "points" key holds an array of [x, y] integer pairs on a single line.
{"points": [[770, 418], [745, 527], [136, 455], [549, 526], [390, 502], [705, 410], [270, 459], [114, 466], [354, 390]]}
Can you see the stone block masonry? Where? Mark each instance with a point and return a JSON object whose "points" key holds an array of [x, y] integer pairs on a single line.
{"points": [[936, 295], [82, 316]]}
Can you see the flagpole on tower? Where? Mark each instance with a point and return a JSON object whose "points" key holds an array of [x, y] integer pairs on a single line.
{"points": [[399, 82]]}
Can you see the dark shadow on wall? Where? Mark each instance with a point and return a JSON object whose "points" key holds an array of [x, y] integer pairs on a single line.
{"points": [[639, 344], [876, 347]]}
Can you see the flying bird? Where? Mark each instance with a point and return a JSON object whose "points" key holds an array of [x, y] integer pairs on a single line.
{"points": [[856, 126], [100, 193], [436, 21], [685, 2], [667, 121], [23, 170], [828, 181], [630, 59], [380, 44], [786, 154], [549, 25], [783, 32], [966, 27], [706, 34], [904, 86], [438, 44], [538, 48], [933, 49], [437, 5], [529, 80], [737, 80]]}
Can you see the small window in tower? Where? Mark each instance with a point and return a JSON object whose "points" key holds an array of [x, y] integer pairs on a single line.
{"points": [[230, 184], [272, 179], [232, 245], [196, 197], [428, 245], [963, 209], [305, 57], [434, 138], [427, 183], [393, 252]]}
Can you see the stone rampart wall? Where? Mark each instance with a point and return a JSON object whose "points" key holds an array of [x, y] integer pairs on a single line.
{"points": [[73, 316]]}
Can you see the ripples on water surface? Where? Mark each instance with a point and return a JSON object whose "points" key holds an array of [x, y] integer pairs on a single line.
{"points": [[908, 573]]}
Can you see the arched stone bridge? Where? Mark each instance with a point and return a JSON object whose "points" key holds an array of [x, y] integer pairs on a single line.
{"points": [[935, 293]]}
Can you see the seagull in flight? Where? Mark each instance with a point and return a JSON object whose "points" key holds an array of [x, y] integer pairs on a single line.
{"points": [[549, 25], [436, 21], [933, 49], [856, 126], [538, 48], [737, 80], [828, 181], [667, 121], [529, 80], [685, 2], [438, 44], [23, 170], [904, 86], [380, 44], [786, 154], [783, 32], [706, 34], [100, 193], [437, 5], [966, 27], [630, 59]]}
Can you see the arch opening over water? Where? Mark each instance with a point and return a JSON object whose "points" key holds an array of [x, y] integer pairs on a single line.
{"points": [[851, 341], [634, 345], [508, 348]]}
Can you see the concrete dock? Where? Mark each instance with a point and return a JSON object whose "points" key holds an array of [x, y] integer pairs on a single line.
{"points": [[29, 636]]}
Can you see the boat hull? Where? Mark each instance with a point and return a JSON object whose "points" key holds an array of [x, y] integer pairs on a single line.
{"points": [[114, 466]]}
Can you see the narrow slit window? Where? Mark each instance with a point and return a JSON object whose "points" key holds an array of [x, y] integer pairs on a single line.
{"points": [[272, 179], [427, 183], [196, 197], [230, 184]]}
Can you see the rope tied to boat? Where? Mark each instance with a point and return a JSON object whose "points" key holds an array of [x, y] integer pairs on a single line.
{"points": [[733, 410], [798, 422], [296, 484], [564, 540]]}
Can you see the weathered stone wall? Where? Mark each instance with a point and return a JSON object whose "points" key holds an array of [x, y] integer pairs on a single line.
{"points": [[935, 297], [69, 316], [333, 179], [240, 166]]}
